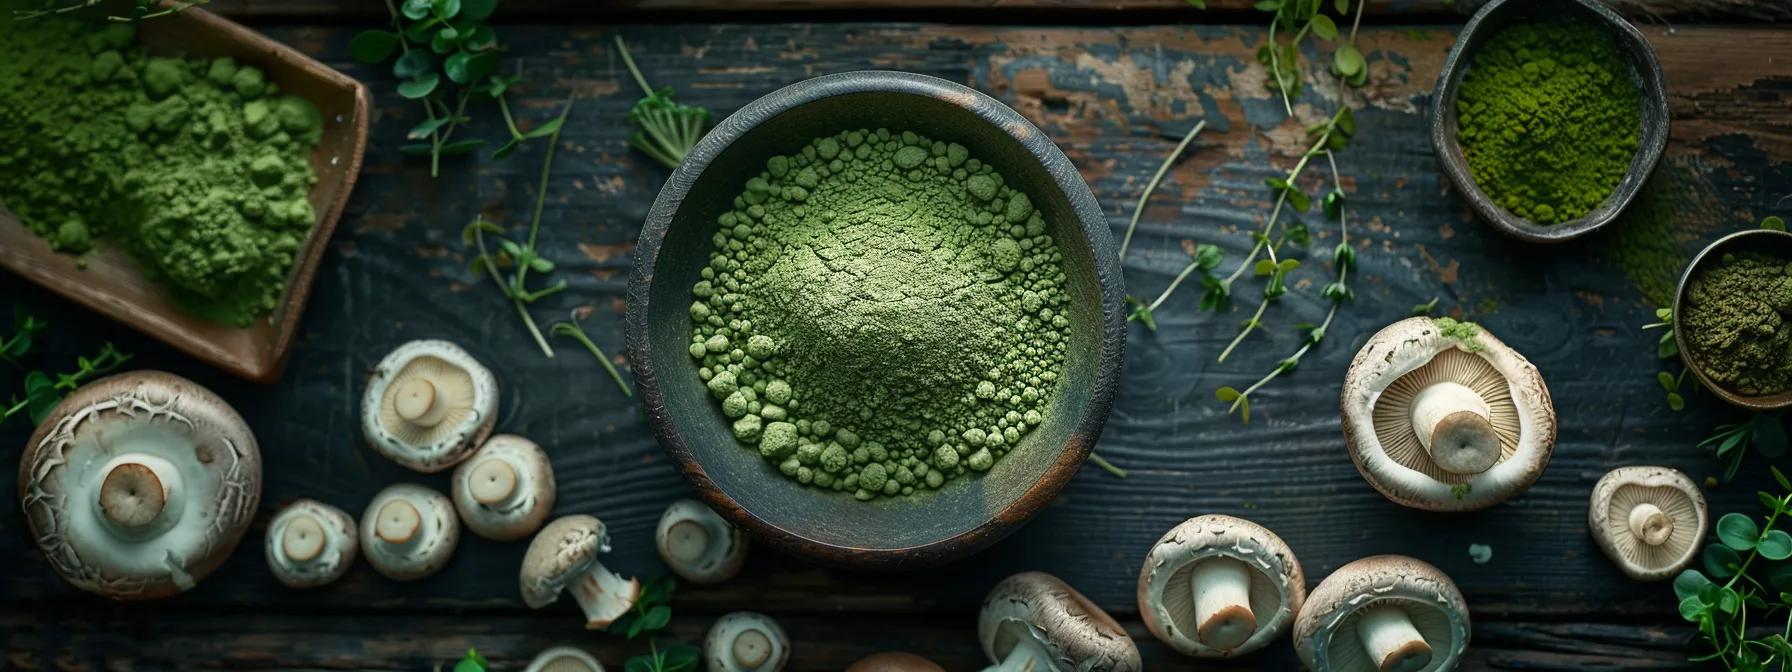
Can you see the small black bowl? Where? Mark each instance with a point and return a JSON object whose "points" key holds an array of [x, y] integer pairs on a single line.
{"points": [[1645, 70], [933, 527], [1766, 241]]}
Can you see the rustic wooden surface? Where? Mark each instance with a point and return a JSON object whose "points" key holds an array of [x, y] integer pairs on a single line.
{"points": [[1116, 101]]}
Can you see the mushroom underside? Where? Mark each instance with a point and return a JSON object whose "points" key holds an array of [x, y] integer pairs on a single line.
{"points": [[1346, 645], [1393, 410], [1626, 508], [1266, 597], [452, 401]]}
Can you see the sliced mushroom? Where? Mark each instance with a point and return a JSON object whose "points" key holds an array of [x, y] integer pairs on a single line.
{"points": [[137, 486], [1650, 521], [409, 532], [1385, 613], [505, 491], [1440, 415], [564, 659], [894, 661], [1033, 621], [1218, 586], [565, 554], [310, 544], [699, 545], [746, 641], [428, 405]]}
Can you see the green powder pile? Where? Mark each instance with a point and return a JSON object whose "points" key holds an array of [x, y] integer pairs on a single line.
{"points": [[881, 314], [1549, 119], [197, 167], [1735, 322]]}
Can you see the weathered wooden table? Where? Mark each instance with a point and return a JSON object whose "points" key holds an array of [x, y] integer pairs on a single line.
{"points": [[1115, 85]]}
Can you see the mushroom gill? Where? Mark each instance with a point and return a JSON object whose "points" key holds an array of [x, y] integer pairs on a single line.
{"points": [[447, 403], [1393, 410], [1642, 514], [1379, 621]]}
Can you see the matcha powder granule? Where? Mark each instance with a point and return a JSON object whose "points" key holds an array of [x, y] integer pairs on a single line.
{"points": [[1549, 119], [197, 167], [881, 314]]}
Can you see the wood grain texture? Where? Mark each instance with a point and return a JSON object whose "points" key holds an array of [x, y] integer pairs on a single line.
{"points": [[1116, 102]]}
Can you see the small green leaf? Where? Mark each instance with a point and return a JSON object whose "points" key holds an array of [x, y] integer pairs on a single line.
{"points": [[1666, 379], [1719, 561], [1299, 200], [1324, 28], [540, 265], [1728, 601], [1667, 347], [1264, 267], [419, 87], [1738, 531], [1227, 393], [1333, 204], [656, 618], [477, 10], [1676, 402], [639, 664], [1689, 583], [1780, 477], [456, 67], [506, 149], [448, 9], [1775, 545], [413, 63], [1691, 609], [1347, 61], [422, 130], [373, 46], [680, 656], [461, 147], [546, 129], [1342, 6], [1244, 409], [416, 149], [1664, 314], [1268, 5], [1774, 223], [449, 34], [416, 10]]}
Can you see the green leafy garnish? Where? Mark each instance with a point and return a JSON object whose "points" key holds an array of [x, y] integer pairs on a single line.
{"points": [[672, 659], [44, 390], [520, 258], [665, 129], [1761, 431], [472, 662], [1750, 559]]}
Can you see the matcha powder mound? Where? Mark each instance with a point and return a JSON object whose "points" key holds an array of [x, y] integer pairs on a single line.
{"points": [[1736, 322], [197, 167], [881, 314]]}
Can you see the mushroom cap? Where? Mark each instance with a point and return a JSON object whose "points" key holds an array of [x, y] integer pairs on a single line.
{"points": [[431, 539], [1324, 635], [894, 661], [1166, 599], [164, 418], [724, 546], [1407, 356], [719, 646], [1674, 494], [1077, 633], [564, 659], [330, 533], [559, 553], [466, 392], [530, 474]]}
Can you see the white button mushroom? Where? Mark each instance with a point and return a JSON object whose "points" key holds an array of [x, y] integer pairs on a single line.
{"points": [[428, 405], [1440, 415], [894, 661], [745, 641], [1385, 613], [564, 555], [409, 532], [139, 485], [1219, 586], [505, 491], [564, 659], [310, 544], [1033, 621], [699, 545], [1649, 520]]}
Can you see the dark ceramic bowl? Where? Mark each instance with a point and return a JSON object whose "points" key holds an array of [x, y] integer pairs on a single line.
{"points": [[966, 514], [1768, 241], [1644, 70]]}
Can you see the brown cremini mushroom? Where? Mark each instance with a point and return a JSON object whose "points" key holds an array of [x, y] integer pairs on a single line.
{"points": [[310, 544], [1384, 613], [409, 532], [1033, 621], [137, 486], [505, 491], [564, 556], [1650, 521], [564, 659], [746, 641], [1440, 415], [428, 405], [1217, 586], [894, 661], [699, 545]]}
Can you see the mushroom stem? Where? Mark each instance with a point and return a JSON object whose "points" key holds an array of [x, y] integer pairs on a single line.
{"points": [[397, 522], [1394, 645], [1650, 524], [603, 595], [302, 539], [1452, 423], [687, 540], [418, 402], [492, 482], [751, 648], [1028, 655], [1222, 589], [136, 494]]}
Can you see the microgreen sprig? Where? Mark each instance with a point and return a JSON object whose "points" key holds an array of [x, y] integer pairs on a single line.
{"points": [[1139, 208], [472, 662], [649, 616], [25, 328], [570, 328], [42, 393], [1721, 611], [520, 258], [141, 10], [665, 129], [1761, 431]]}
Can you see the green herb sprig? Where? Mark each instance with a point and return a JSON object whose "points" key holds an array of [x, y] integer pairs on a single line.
{"points": [[520, 258], [570, 328], [141, 10], [649, 616], [43, 391], [665, 129], [1762, 431], [472, 662], [1750, 559]]}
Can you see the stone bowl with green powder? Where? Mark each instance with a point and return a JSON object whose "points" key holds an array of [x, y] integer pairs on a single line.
{"points": [[877, 319], [1733, 318], [1549, 116], [193, 194]]}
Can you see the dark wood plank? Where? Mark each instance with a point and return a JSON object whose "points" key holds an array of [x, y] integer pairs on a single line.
{"points": [[1116, 101]]}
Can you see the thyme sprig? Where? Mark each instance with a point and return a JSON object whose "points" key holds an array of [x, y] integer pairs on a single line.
{"points": [[520, 258], [44, 390]]}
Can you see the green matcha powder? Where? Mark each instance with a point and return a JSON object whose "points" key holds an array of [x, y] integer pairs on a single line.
{"points": [[197, 167], [1548, 119], [881, 314], [1735, 324]]}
